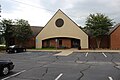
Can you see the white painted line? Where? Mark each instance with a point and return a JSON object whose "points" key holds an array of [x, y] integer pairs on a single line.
{"points": [[13, 75], [86, 54], [110, 78], [104, 54], [59, 76]]}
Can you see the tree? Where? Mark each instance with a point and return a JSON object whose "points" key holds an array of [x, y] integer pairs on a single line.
{"points": [[22, 31], [18, 30], [6, 30], [98, 25]]}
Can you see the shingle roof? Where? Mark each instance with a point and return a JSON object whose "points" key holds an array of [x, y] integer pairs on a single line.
{"points": [[36, 30], [114, 28]]}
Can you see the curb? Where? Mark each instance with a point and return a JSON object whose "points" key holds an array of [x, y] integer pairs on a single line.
{"points": [[74, 50]]}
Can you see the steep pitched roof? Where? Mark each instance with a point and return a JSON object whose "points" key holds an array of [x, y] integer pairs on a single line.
{"points": [[36, 30], [61, 26], [67, 17], [73, 22], [114, 28]]}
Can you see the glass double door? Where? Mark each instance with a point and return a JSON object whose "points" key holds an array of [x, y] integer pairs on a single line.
{"points": [[75, 43]]}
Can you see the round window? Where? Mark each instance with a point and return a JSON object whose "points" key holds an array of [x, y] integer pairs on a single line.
{"points": [[59, 22]]}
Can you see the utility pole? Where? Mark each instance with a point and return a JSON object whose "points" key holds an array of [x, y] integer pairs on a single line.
{"points": [[0, 10]]}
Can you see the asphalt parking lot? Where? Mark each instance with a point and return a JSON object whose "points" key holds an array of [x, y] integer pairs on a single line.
{"points": [[76, 66]]}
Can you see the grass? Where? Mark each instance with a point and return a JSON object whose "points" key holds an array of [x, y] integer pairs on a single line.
{"points": [[45, 49]]}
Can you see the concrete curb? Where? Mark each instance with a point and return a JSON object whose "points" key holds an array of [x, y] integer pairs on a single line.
{"points": [[74, 50], [97, 51], [32, 50]]}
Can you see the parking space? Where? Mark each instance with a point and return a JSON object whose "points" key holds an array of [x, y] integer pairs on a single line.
{"points": [[76, 66]]}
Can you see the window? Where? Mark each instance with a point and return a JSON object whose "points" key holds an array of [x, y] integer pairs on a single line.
{"points": [[59, 22], [60, 42], [48, 43]]}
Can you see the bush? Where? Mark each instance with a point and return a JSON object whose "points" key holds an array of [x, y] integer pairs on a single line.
{"points": [[2, 48], [51, 47], [62, 47]]}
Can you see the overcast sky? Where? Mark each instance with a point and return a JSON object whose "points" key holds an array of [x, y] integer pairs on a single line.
{"points": [[39, 12]]}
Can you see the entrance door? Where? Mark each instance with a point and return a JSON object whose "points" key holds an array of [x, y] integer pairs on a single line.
{"points": [[60, 43], [75, 43]]}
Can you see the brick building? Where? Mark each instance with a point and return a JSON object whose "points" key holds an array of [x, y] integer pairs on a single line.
{"points": [[61, 31], [104, 44], [30, 43], [115, 37], [32, 40]]}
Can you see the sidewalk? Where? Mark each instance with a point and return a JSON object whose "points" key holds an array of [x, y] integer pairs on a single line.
{"points": [[64, 53], [75, 50]]}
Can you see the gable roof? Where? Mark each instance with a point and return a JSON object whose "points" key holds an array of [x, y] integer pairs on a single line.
{"points": [[69, 29], [114, 28], [67, 17], [73, 22], [36, 30]]}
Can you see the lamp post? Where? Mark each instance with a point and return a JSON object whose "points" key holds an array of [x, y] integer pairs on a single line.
{"points": [[56, 40]]}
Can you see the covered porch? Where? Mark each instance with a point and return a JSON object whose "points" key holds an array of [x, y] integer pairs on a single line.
{"points": [[61, 42]]}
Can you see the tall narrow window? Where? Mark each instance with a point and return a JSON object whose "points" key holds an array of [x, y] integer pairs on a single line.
{"points": [[60, 42], [48, 43]]}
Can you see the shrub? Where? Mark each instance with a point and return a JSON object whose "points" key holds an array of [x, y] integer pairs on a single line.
{"points": [[2, 48]]}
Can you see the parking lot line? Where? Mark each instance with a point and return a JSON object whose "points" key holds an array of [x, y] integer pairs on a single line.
{"points": [[59, 76], [86, 54], [104, 54], [13, 75], [110, 78]]}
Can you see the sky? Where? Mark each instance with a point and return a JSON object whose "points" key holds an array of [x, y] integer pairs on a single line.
{"points": [[39, 12]]}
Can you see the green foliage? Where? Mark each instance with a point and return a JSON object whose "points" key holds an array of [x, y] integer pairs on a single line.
{"points": [[22, 30], [1, 39], [18, 29], [2, 48], [98, 24], [50, 47], [6, 29]]}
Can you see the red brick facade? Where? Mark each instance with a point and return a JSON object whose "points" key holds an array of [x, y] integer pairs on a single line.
{"points": [[104, 44], [67, 42], [30, 43], [115, 38], [60, 43]]}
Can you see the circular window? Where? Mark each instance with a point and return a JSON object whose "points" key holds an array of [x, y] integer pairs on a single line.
{"points": [[59, 22]]}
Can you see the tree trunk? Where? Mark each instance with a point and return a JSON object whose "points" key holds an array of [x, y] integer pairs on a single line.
{"points": [[98, 41]]}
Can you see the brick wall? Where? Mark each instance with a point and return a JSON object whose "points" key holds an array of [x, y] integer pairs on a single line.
{"points": [[65, 43], [53, 43], [115, 39], [105, 43], [30, 43]]}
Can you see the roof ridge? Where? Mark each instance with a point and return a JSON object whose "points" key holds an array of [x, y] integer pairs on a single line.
{"points": [[114, 28]]}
